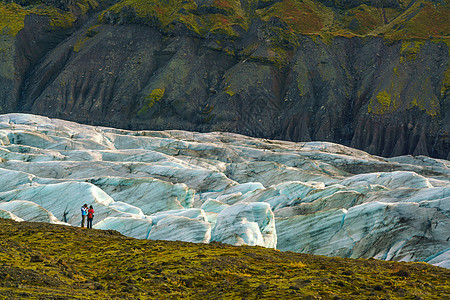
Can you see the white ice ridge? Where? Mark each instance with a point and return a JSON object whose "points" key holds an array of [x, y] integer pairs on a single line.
{"points": [[314, 197]]}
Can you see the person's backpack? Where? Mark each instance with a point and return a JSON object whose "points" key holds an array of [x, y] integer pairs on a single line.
{"points": [[90, 214]]}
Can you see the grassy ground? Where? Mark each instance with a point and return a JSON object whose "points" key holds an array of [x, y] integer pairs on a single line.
{"points": [[39, 260]]}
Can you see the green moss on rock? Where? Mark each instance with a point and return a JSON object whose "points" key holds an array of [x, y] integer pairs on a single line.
{"points": [[409, 50], [12, 18], [281, 23], [384, 102], [154, 96], [12, 15]]}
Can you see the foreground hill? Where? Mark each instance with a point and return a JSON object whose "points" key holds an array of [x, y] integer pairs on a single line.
{"points": [[317, 197], [373, 75], [47, 261]]}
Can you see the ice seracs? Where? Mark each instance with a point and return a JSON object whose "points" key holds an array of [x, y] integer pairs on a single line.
{"points": [[181, 228], [29, 211], [314, 197], [246, 224], [149, 194], [64, 200], [135, 227], [9, 215]]}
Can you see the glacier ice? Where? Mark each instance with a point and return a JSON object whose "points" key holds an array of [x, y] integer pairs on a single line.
{"points": [[5, 214], [30, 211], [312, 197], [65, 199], [181, 228], [135, 227], [246, 223]]}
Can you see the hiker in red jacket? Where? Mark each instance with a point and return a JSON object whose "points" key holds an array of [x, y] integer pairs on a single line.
{"points": [[90, 216]]}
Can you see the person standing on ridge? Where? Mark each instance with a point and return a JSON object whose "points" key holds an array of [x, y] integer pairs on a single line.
{"points": [[90, 217], [84, 212]]}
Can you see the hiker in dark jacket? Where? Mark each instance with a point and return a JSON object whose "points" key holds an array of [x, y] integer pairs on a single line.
{"points": [[84, 212], [90, 216]]}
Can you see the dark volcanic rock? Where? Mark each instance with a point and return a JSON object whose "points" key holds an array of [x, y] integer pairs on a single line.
{"points": [[22, 52], [98, 80]]}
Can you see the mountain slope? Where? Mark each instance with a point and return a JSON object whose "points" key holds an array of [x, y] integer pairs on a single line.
{"points": [[373, 75]]}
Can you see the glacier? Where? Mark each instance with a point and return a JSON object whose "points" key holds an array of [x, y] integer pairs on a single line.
{"points": [[311, 197]]}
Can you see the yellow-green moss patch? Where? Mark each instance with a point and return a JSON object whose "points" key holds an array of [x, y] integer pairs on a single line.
{"points": [[384, 102], [409, 50], [12, 18], [154, 96], [229, 91], [12, 15]]}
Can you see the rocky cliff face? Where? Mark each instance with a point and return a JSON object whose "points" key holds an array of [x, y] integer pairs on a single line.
{"points": [[374, 75]]}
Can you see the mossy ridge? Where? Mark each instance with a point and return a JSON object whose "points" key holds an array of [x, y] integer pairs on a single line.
{"points": [[165, 12], [236, 15], [170, 12], [307, 17], [283, 23], [363, 19], [87, 5], [422, 20], [74, 262], [12, 15], [12, 18], [302, 17]]}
